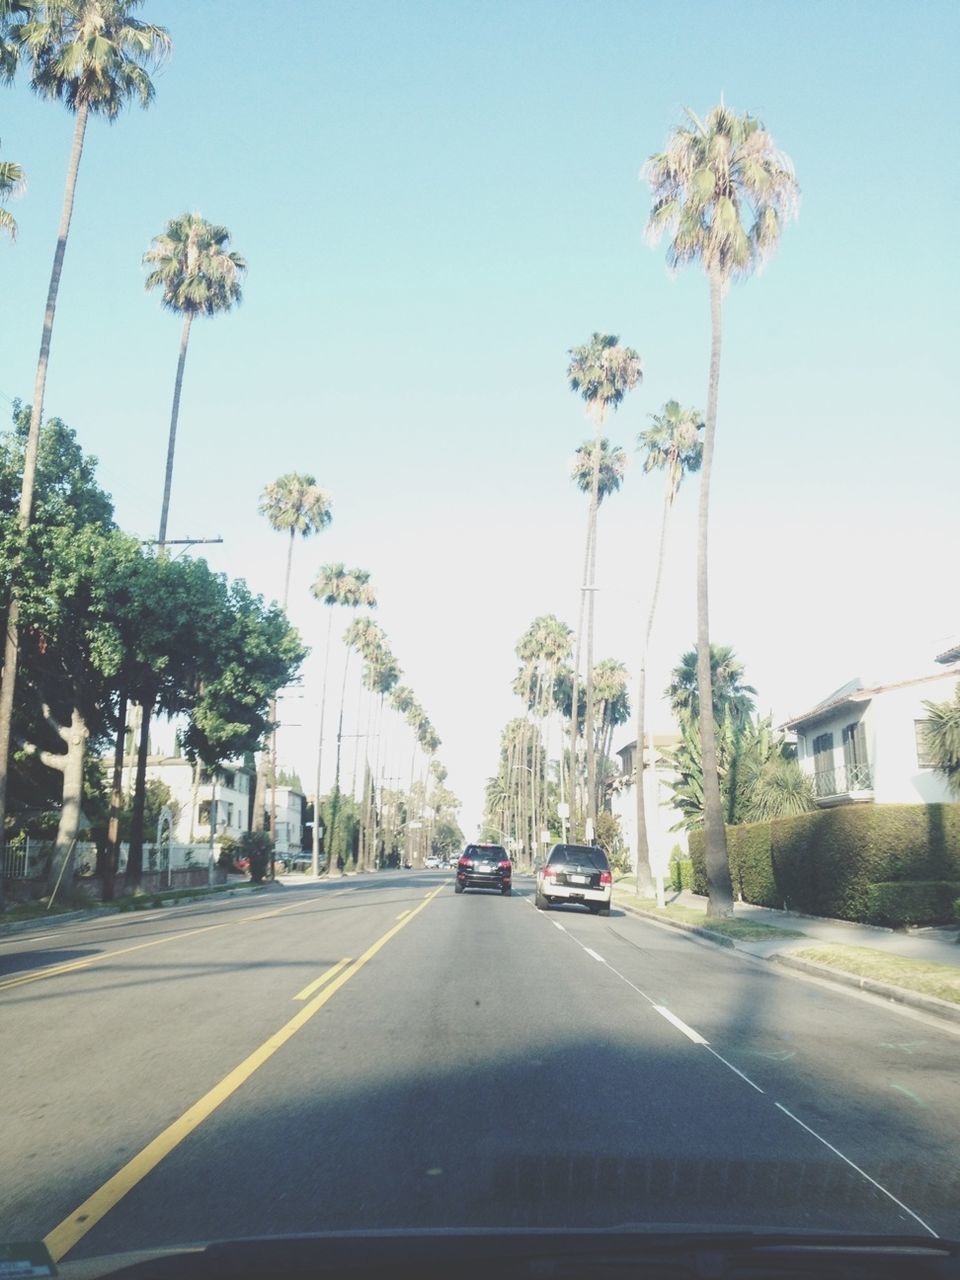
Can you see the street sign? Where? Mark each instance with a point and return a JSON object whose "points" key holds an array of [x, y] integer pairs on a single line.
{"points": [[589, 831], [544, 837], [563, 809]]}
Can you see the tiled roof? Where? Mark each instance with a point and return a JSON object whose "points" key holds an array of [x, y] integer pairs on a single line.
{"points": [[950, 655], [855, 692]]}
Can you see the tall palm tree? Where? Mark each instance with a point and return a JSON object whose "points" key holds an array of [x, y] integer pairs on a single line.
{"points": [[334, 585], [671, 444], [93, 56], [602, 372], [366, 637], [732, 699], [723, 191], [198, 276], [294, 504], [12, 182]]}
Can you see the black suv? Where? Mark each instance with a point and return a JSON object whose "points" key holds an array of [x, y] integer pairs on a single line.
{"points": [[575, 873], [484, 866]]}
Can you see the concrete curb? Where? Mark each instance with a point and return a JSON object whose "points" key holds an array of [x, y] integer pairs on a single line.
{"points": [[900, 995], [721, 939]]}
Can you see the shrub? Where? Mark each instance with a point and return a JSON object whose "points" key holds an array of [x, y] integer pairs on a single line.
{"points": [[901, 902], [681, 874], [751, 867], [696, 846], [258, 847]]}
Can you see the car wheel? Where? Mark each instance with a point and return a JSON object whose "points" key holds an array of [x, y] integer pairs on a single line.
{"points": [[540, 902], [458, 888], [603, 911]]}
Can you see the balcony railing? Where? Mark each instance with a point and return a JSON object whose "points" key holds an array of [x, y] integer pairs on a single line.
{"points": [[841, 780]]}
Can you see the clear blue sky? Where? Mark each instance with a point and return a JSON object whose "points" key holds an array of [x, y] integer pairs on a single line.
{"points": [[438, 200]]}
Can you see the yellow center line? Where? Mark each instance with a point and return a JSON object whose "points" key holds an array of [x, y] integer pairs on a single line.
{"points": [[76, 1225], [71, 966], [322, 980], [402, 914]]}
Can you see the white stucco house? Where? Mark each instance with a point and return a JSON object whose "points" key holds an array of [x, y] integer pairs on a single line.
{"points": [[864, 743], [658, 799], [226, 791], [290, 810]]}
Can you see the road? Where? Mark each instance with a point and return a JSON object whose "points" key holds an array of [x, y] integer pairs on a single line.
{"points": [[378, 1052]]}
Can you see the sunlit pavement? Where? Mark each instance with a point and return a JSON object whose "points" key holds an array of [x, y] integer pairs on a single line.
{"points": [[375, 1051]]}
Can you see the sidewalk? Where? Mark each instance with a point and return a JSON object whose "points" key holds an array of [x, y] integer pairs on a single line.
{"points": [[936, 946]]}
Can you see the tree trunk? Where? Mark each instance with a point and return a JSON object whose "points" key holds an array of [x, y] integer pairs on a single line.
{"points": [[719, 887], [335, 800], [112, 854], [315, 841], [644, 870], [260, 786], [11, 645], [134, 873], [71, 767], [574, 705], [172, 439]]}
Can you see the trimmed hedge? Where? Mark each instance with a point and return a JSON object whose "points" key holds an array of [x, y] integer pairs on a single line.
{"points": [[831, 861], [900, 902]]}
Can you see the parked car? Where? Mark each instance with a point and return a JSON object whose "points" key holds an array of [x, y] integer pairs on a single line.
{"points": [[575, 873], [484, 866], [433, 862]]}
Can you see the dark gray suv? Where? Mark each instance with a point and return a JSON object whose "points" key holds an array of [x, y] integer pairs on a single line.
{"points": [[576, 873]]}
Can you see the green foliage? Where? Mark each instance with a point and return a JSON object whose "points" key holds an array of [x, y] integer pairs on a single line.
{"points": [[610, 839], [258, 847], [942, 733], [732, 698], [829, 862], [612, 464], [157, 794], [897, 903], [681, 874], [192, 267]]}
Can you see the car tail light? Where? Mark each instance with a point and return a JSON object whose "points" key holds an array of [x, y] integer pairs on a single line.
{"points": [[606, 877], [549, 872], [464, 862], [504, 864]]}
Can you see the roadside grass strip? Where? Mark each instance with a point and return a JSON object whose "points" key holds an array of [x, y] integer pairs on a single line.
{"points": [[925, 977], [741, 930]]}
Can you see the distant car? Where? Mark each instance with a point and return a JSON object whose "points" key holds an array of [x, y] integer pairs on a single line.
{"points": [[433, 862], [575, 873], [484, 866]]}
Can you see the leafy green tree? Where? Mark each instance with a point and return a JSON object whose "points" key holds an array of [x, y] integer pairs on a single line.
{"points": [[942, 733], [197, 275], [722, 191], [602, 372], [93, 56], [611, 707], [12, 182], [671, 444]]}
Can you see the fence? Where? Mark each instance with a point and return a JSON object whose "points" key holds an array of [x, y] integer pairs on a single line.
{"points": [[29, 859]]}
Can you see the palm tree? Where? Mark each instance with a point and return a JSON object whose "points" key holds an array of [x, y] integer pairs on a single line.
{"points": [[942, 734], [366, 637], [672, 445], [597, 470], [12, 182], [93, 56], [296, 504], [197, 276], [732, 699], [334, 585], [602, 372], [713, 178]]}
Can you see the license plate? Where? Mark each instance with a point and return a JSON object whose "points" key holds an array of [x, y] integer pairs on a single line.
{"points": [[486, 866], [579, 879]]}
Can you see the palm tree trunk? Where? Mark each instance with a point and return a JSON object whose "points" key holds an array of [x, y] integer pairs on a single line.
{"points": [[591, 594], [315, 843], [335, 799], [574, 706], [12, 640], [286, 576], [719, 886], [644, 873], [172, 438]]}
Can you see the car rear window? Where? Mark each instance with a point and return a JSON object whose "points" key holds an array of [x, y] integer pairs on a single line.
{"points": [[579, 855], [488, 852]]}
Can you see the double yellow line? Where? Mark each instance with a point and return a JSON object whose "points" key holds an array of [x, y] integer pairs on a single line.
{"points": [[74, 1227]]}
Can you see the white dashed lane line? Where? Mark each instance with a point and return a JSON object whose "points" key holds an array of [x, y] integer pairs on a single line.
{"points": [[696, 1038]]}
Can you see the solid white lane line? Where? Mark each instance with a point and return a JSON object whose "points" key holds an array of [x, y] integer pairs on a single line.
{"points": [[873, 1182], [689, 1032], [591, 952], [557, 925], [734, 1069]]}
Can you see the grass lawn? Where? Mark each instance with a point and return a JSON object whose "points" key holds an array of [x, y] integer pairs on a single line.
{"points": [[940, 980], [131, 902], [742, 930]]}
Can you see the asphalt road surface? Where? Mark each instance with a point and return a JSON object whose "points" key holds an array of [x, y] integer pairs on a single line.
{"points": [[378, 1052]]}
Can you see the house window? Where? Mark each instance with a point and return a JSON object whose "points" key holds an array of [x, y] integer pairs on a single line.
{"points": [[203, 813], [924, 758], [823, 746], [229, 781]]}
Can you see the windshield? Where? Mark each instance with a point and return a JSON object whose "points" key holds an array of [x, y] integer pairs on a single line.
{"points": [[367, 866]]}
